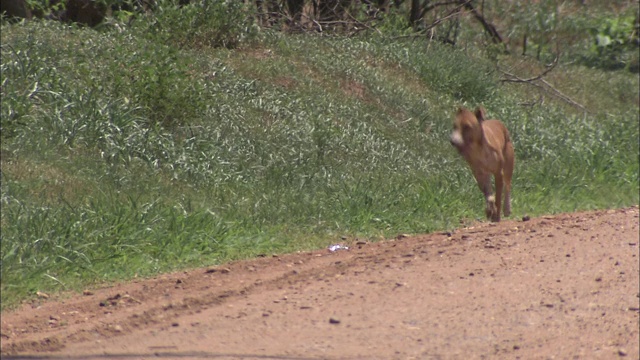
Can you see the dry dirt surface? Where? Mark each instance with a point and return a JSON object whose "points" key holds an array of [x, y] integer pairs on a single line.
{"points": [[555, 287]]}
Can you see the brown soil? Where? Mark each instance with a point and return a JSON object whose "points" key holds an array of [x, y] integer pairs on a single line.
{"points": [[561, 287]]}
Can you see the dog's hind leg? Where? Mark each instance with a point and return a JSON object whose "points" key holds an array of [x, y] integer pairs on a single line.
{"points": [[509, 162], [495, 217]]}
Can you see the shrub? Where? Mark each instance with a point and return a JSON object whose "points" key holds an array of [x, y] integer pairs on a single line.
{"points": [[209, 23]]}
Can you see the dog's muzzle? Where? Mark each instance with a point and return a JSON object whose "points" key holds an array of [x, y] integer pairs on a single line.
{"points": [[457, 140]]}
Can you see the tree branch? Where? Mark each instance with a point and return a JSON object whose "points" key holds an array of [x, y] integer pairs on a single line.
{"points": [[488, 27], [542, 84]]}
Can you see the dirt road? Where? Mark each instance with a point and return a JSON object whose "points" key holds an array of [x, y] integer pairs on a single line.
{"points": [[561, 287]]}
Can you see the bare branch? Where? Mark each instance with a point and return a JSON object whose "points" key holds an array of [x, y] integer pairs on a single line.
{"points": [[564, 97], [542, 84], [442, 3], [488, 27], [513, 78]]}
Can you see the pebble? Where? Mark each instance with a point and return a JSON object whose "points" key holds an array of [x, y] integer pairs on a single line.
{"points": [[622, 352]]}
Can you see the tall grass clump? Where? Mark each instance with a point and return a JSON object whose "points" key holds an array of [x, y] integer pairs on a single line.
{"points": [[215, 23], [125, 153]]}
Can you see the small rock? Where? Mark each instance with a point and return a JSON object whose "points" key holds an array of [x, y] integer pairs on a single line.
{"points": [[117, 328], [361, 242], [526, 218], [598, 278], [42, 295], [334, 321], [622, 352], [220, 270], [175, 324], [87, 293]]}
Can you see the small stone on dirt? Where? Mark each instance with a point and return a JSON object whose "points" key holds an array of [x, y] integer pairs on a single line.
{"points": [[87, 293], [42, 295], [526, 218], [220, 270], [622, 352], [334, 321]]}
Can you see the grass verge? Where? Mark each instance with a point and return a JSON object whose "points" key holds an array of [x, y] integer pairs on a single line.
{"points": [[123, 155]]}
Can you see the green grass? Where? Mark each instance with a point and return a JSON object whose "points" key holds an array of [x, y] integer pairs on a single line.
{"points": [[124, 155]]}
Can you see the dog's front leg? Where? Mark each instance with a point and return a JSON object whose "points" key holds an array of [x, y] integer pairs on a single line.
{"points": [[484, 182]]}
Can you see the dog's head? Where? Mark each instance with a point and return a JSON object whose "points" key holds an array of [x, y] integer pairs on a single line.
{"points": [[467, 129]]}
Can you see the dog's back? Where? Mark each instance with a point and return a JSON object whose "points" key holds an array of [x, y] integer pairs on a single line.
{"points": [[496, 134]]}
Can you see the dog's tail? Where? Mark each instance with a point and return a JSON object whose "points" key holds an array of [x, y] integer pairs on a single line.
{"points": [[507, 139], [480, 114]]}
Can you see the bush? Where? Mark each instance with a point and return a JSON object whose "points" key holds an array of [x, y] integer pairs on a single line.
{"points": [[614, 43], [209, 23]]}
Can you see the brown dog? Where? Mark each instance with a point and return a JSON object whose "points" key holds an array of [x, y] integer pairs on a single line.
{"points": [[486, 146]]}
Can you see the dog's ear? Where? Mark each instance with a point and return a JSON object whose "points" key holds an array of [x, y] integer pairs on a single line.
{"points": [[480, 114]]}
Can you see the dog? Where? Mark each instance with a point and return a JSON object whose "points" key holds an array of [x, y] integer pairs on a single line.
{"points": [[487, 148]]}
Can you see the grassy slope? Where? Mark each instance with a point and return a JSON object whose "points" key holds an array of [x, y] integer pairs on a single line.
{"points": [[123, 156]]}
